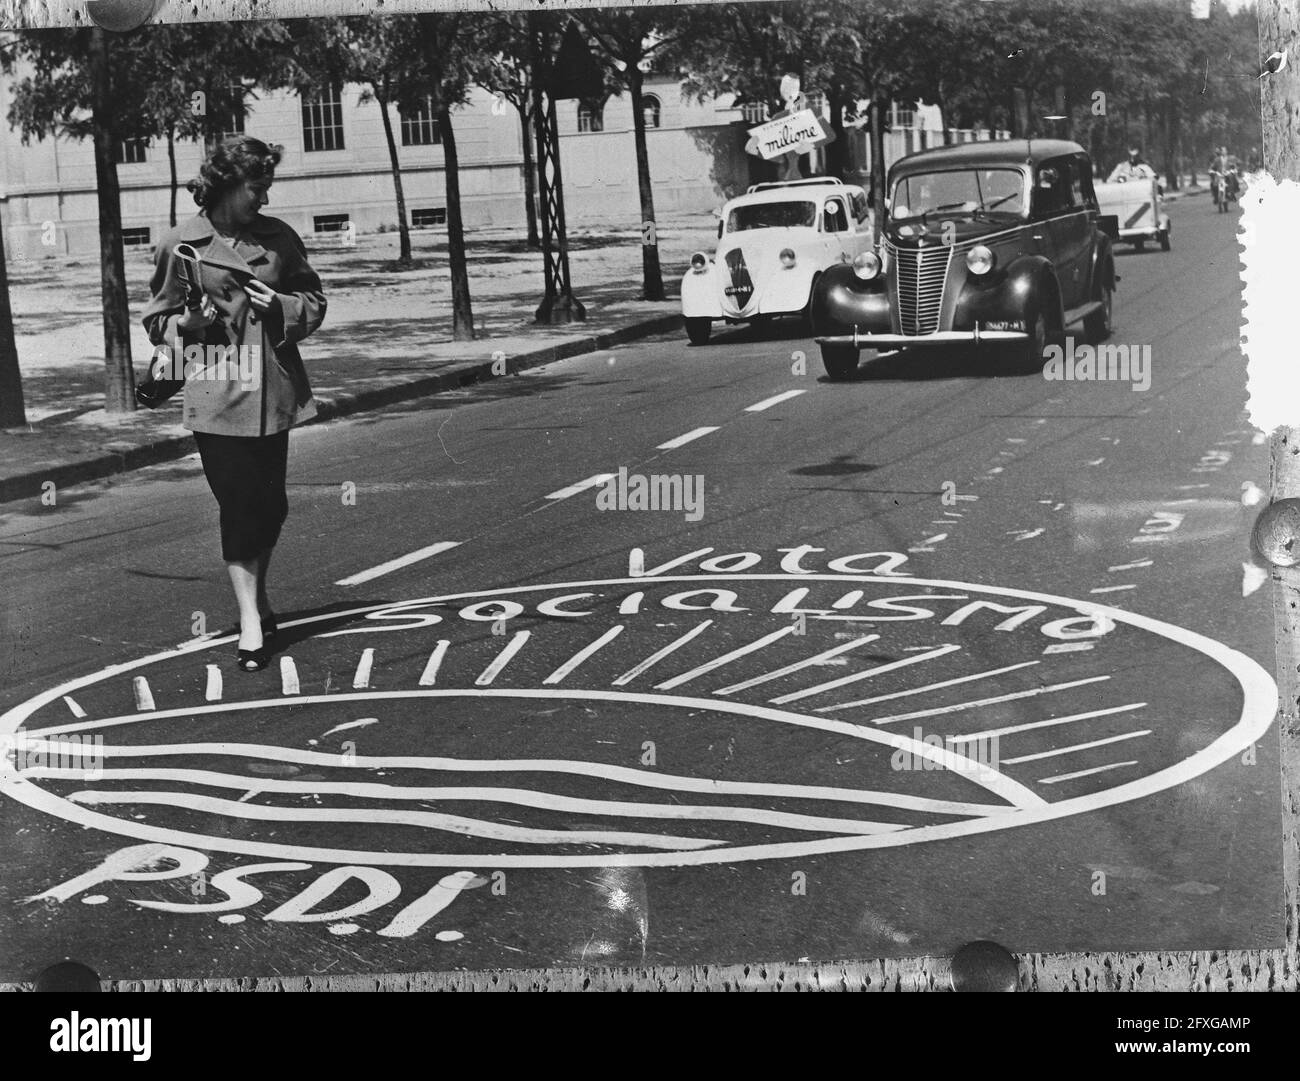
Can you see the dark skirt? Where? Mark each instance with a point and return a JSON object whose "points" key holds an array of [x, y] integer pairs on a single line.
{"points": [[247, 475]]}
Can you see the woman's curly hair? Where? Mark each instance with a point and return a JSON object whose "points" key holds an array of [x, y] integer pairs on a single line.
{"points": [[237, 159]]}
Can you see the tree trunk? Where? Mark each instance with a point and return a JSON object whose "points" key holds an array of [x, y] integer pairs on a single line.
{"points": [[1171, 162], [530, 174], [119, 388], [171, 164], [943, 119], [652, 285], [403, 230], [462, 313], [877, 167], [12, 412]]}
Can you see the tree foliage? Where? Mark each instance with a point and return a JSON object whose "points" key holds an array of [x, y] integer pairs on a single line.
{"points": [[1120, 71], [626, 42]]}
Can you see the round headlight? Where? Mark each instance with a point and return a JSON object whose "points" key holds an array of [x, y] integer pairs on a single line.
{"points": [[787, 257], [979, 260], [866, 265], [699, 261]]}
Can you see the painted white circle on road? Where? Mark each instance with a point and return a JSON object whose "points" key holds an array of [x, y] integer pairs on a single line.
{"points": [[993, 798]]}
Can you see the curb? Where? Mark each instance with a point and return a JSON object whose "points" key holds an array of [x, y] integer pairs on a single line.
{"points": [[27, 485]]}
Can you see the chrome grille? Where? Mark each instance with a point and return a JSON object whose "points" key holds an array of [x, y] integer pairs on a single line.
{"points": [[920, 276]]}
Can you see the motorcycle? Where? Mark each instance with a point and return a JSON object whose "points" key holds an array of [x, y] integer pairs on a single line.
{"points": [[1231, 189], [1218, 190]]}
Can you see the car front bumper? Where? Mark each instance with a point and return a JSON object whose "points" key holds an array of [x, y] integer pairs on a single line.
{"points": [[940, 337]]}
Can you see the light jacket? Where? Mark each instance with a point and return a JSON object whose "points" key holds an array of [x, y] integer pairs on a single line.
{"points": [[225, 401], [1127, 170]]}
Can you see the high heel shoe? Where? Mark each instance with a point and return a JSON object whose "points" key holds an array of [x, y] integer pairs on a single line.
{"points": [[252, 660], [269, 626]]}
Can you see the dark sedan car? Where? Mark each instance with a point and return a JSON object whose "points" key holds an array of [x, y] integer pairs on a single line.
{"points": [[991, 242]]}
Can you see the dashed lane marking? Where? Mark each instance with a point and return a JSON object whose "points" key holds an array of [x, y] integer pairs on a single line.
{"points": [[767, 403], [397, 564], [689, 437], [581, 486]]}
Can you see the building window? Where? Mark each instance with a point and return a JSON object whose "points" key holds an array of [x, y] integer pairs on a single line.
{"points": [[428, 217], [419, 127], [650, 109], [136, 237], [322, 120], [131, 151], [591, 116], [817, 102], [330, 223], [903, 117], [228, 116], [755, 112]]}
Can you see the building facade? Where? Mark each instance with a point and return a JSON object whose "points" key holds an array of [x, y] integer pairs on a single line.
{"points": [[335, 173]]}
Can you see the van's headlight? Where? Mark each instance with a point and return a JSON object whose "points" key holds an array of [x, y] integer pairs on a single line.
{"points": [[866, 265], [699, 262], [979, 260], [787, 257]]}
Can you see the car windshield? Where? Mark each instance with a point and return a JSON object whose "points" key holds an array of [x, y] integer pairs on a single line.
{"points": [[783, 215], [968, 191]]}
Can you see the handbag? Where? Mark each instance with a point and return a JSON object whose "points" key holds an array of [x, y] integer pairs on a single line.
{"points": [[158, 387]]}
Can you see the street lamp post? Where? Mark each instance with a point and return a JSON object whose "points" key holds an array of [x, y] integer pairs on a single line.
{"points": [[558, 73], [558, 305]]}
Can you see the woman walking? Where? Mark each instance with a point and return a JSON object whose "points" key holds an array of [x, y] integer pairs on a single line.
{"points": [[261, 297]]}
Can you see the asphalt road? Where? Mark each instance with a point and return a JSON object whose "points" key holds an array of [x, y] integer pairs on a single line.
{"points": [[718, 731]]}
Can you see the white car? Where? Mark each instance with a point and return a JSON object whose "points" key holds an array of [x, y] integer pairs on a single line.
{"points": [[773, 244], [1139, 205]]}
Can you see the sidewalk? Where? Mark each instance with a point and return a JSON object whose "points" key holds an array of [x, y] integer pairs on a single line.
{"points": [[387, 337]]}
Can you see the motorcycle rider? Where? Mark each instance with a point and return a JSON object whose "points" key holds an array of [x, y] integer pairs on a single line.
{"points": [[1218, 176], [1134, 168], [1234, 182]]}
